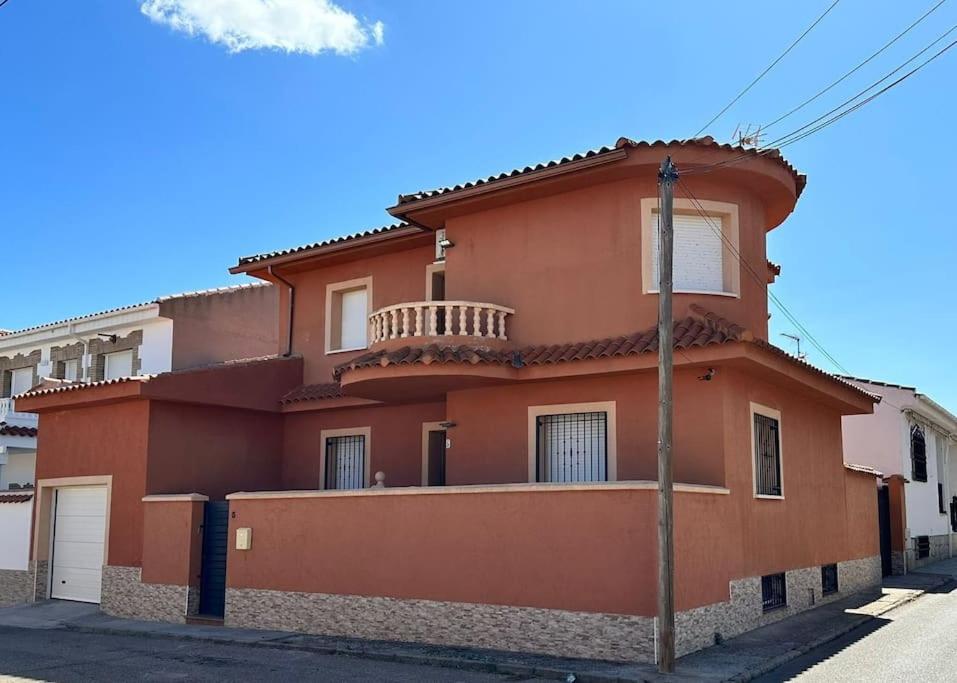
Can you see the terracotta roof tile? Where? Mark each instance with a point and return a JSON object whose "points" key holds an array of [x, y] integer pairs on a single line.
{"points": [[312, 392], [15, 497], [245, 260], [162, 299], [704, 142], [702, 330], [16, 430]]}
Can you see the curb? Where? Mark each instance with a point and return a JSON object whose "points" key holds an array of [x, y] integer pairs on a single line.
{"points": [[508, 668], [790, 656], [460, 663]]}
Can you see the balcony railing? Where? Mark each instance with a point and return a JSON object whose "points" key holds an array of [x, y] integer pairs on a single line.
{"points": [[11, 416], [439, 319]]}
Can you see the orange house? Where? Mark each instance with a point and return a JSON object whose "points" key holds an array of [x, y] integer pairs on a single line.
{"points": [[456, 442]]}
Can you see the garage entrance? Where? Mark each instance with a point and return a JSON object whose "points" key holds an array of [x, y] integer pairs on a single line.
{"points": [[79, 536]]}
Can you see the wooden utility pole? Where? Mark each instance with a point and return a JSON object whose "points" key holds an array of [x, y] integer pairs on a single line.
{"points": [[666, 548]]}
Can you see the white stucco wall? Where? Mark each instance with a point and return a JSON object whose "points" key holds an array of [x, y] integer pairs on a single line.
{"points": [[15, 535], [19, 469], [882, 441], [156, 353], [923, 515], [875, 440]]}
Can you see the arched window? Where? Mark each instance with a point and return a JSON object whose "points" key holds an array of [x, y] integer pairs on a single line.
{"points": [[918, 453]]}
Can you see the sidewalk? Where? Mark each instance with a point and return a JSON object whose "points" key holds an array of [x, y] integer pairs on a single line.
{"points": [[738, 659]]}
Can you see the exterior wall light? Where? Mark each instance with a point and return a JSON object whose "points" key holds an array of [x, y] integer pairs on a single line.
{"points": [[447, 425], [446, 243]]}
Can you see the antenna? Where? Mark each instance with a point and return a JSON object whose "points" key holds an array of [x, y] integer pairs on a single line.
{"points": [[797, 340], [746, 137]]}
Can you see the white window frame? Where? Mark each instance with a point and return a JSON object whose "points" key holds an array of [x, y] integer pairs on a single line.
{"points": [[14, 373], [723, 213], [608, 407], [334, 290], [79, 369], [766, 411], [365, 432], [114, 355]]}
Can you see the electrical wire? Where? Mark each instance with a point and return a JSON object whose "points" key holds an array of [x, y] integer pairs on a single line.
{"points": [[856, 68], [802, 132], [769, 67], [762, 281]]}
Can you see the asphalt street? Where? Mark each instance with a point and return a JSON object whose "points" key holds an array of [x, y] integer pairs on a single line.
{"points": [[60, 655], [916, 642]]}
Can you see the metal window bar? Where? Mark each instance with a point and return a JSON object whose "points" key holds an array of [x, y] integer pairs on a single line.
{"points": [[767, 455], [923, 547], [572, 447], [918, 453], [774, 592], [829, 579], [345, 462]]}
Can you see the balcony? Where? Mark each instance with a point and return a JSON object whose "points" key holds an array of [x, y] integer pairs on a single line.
{"points": [[12, 417], [423, 349], [451, 322]]}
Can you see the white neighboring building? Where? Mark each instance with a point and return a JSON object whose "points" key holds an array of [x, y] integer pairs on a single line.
{"points": [[168, 333], [910, 435]]}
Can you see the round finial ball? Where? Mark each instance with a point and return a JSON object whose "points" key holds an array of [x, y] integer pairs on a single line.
{"points": [[380, 477]]}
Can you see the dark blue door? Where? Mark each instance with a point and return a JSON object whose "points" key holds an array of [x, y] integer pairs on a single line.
{"points": [[212, 587]]}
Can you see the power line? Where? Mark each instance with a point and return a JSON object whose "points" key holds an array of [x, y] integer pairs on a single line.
{"points": [[761, 281], [770, 66], [856, 68], [799, 133]]}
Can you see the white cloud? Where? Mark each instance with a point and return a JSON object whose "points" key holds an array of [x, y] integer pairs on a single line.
{"points": [[305, 26]]}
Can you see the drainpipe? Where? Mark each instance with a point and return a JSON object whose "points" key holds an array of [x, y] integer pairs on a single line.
{"points": [[85, 359], [292, 309]]}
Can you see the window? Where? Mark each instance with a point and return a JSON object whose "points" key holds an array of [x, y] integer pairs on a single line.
{"points": [[118, 364], [774, 592], [345, 462], [572, 447], [923, 547], [68, 369], [21, 380], [918, 453], [347, 315], [71, 369], [572, 442], [706, 235], [829, 579], [697, 256], [940, 499], [767, 452]]}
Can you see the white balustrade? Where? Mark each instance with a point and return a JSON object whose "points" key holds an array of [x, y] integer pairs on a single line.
{"points": [[439, 318], [9, 414]]}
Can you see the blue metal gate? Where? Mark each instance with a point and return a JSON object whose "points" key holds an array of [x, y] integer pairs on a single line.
{"points": [[212, 587]]}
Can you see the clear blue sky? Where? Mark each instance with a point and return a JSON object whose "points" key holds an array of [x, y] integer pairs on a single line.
{"points": [[139, 160]]}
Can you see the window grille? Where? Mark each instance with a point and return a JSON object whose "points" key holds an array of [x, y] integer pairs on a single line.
{"points": [[829, 579], [918, 453], [767, 455], [923, 547], [774, 592], [345, 462], [572, 447]]}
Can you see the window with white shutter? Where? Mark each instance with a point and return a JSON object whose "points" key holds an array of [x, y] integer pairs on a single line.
{"points": [[119, 364], [698, 256], [21, 381], [347, 315]]}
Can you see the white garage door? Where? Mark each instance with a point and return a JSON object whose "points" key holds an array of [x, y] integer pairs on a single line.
{"points": [[79, 533]]}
